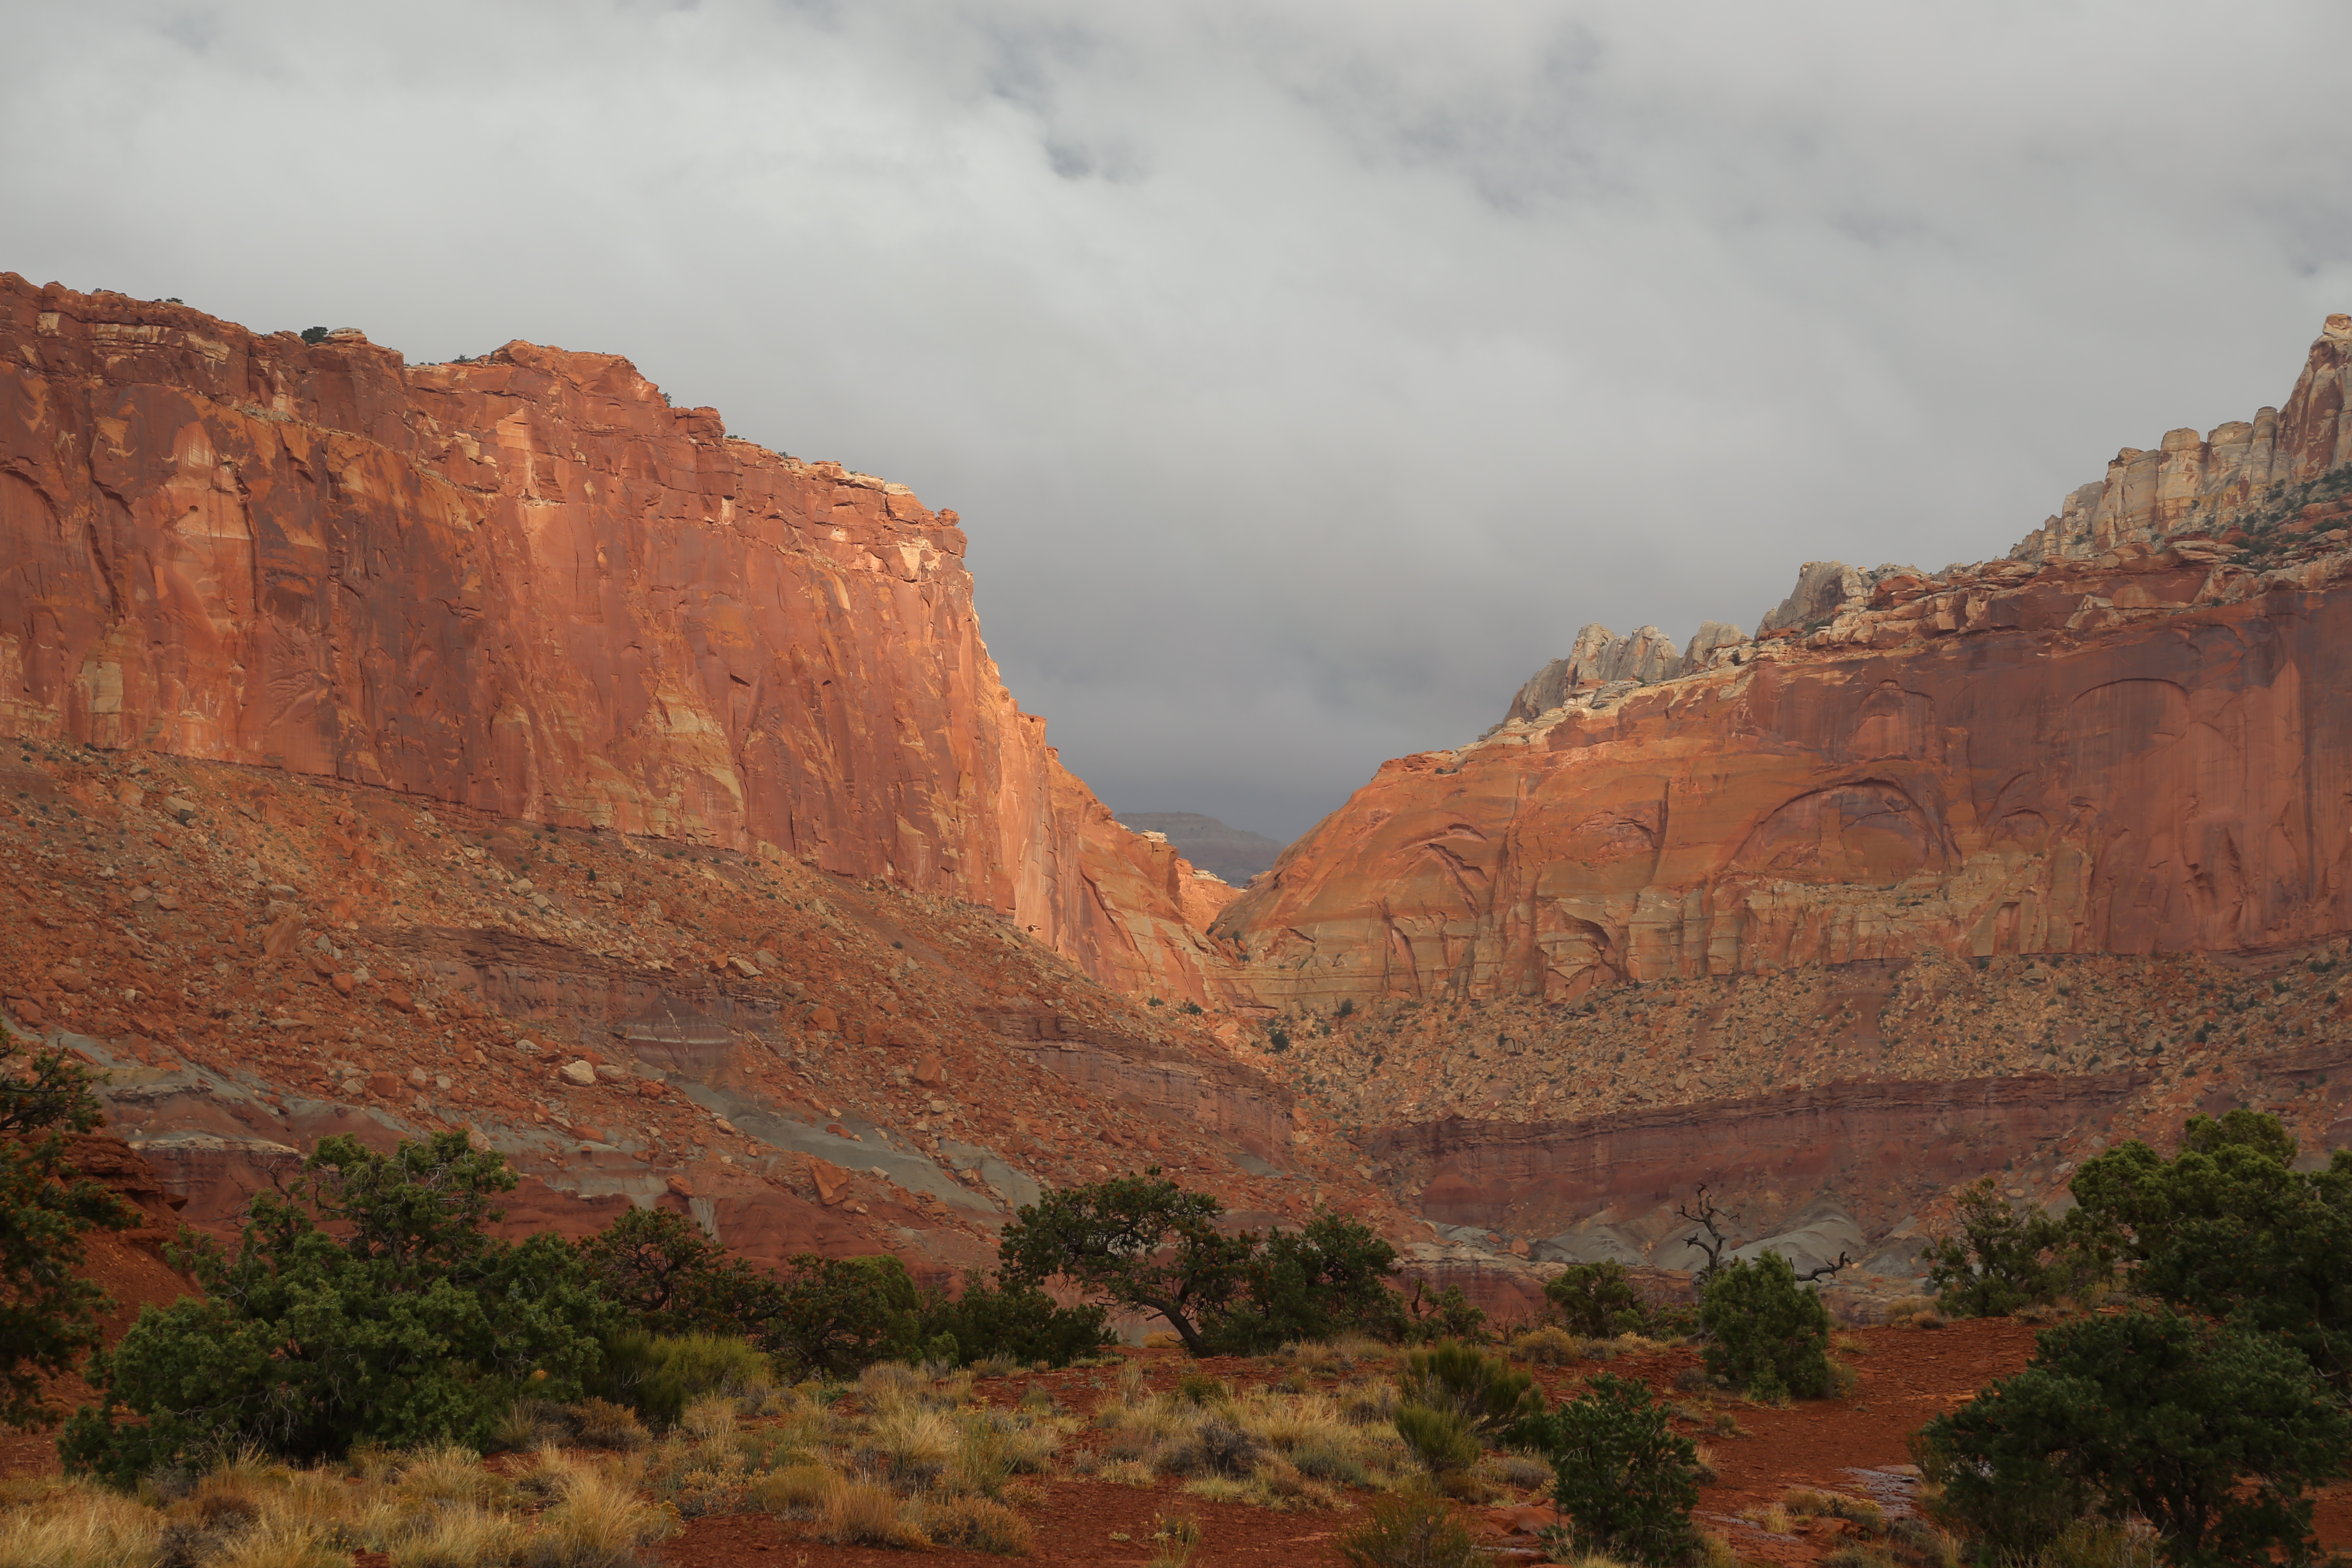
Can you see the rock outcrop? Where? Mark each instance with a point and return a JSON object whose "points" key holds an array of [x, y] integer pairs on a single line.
{"points": [[528, 586], [2189, 483], [1878, 1150], [2136, 752]]}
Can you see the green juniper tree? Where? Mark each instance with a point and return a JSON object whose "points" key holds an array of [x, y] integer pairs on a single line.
{"points": [[49, 1316]]}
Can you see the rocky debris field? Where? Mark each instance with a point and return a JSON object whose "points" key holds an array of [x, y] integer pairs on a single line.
{"points": [[806, 1061]]}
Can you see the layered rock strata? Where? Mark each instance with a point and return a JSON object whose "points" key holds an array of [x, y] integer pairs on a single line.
{"points": [[1925, 835], [528, 586], [2132, 752], [802, 1060]]}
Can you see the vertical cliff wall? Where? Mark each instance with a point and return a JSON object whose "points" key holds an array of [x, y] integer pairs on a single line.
{"points": [[2138, 750], [529, 586]]}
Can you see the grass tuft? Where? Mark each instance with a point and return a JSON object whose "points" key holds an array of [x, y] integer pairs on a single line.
{"points": [[861, 1513]]}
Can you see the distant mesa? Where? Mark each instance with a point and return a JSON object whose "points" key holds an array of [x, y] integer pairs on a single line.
{"points": [[1232, 853]]}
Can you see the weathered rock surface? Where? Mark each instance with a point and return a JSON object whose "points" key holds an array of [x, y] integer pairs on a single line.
{"points": [[1598, 658], [801, 1060], [2131, 753], [528, 586], [1809, 914], [2166, 781], [2191, 483], [1879, 1149]]}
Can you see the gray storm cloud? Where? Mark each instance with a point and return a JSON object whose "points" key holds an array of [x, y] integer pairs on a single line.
{"points": [[1306, 373]]}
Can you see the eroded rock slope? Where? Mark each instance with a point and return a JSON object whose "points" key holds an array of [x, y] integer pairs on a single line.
{"points": [[528, 586]]}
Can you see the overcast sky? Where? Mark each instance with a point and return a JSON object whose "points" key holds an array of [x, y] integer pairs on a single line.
{"points": [[1306, 373]]}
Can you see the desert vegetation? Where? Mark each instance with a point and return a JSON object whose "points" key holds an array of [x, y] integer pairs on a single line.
{"points": [[49, 1313], [370, 1370]]}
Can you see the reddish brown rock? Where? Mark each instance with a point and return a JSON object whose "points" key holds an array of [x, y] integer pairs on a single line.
{"points": [[528, 584], [2136, 753], [1879, 1149]]}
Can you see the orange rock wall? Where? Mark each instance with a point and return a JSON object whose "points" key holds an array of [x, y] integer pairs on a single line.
{"points": [[2173, 777], [529, 586], [2128, 741]]}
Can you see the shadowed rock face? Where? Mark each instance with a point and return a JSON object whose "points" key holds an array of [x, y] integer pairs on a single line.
{"points": [[528, 586], [1878, 1150]]}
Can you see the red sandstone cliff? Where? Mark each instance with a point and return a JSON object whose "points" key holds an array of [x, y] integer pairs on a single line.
{"points": [[528, 586], [2141, 750]]}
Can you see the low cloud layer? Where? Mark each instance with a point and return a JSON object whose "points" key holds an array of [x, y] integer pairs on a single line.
{"points": [[1306, 373]]}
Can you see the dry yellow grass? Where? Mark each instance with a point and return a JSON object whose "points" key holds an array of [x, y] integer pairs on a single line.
{"points": [[1127, 1473], [459, 1535], [860, 1513], [917, 1443], [710, 1418], [1549, 1345], [446, 1472], [977, 1525], [80, 1526], [792, 1489], [599, 1523]]}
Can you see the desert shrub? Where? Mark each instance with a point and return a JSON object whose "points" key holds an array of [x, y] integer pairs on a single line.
{"points": [[661, 1375], [49, 1310], [1446, 1314], [2000, 1261], [834, 1317], [1441, 1441], [977, 1525], [1019, 1324], [601, 1423], [1626, 1482], [1769, 1335], [860, 1513], [1409, 1530], [2227, 1228], [1482, 1389], [1548, 1345], [672, 1279], [406, 1323], [1141, 1242], [2213, 1434], [1599, 1301], [1329, 1279], [1217, 1447]]}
